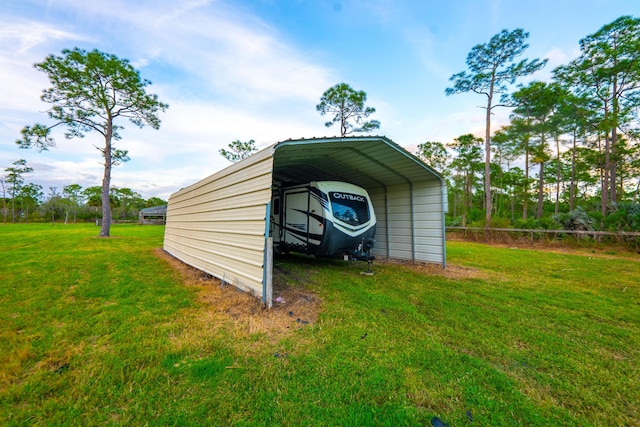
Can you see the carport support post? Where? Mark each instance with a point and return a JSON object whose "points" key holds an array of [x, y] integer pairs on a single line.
{"points": [[268, 270], [443, 203], [267, 266]]}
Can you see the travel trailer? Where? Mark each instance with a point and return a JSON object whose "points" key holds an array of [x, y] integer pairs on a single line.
{"points": [[324, 218]]}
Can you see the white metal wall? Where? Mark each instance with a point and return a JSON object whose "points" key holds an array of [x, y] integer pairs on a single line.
{"points": [[409, 221], [399, 217], [428, 223], [218, 224]]}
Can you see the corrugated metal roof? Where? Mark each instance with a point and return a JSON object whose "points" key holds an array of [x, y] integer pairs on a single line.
{"points": [[367, 161]]}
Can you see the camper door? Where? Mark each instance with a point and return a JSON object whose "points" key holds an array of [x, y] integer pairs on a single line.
{"points": [[296, 219]]}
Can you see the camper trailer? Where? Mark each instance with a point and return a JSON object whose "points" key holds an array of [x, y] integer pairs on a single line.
{"points": [[324, 218]]}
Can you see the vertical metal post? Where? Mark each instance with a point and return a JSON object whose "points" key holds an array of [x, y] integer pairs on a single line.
{"points": [[413, 225], [444, 209], [267, 264], [386, 222], [269, 272]]}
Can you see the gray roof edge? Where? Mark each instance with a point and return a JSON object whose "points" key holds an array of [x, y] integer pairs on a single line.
{"points": [[158, 208], [384, 139]]}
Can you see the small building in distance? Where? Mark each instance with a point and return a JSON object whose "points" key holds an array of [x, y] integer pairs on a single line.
{"points": [[153, 215]]}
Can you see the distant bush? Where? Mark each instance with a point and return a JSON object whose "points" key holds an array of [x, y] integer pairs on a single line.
{"points": [[500, 222], [578, 219], [623, 217], [450, 221], [533, 223]]}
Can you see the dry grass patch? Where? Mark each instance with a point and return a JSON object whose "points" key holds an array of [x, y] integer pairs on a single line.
{"points": [[293, 307], [454, 272]]}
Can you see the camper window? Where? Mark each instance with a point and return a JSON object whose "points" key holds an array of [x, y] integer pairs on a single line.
{"points": [[352, 209]]}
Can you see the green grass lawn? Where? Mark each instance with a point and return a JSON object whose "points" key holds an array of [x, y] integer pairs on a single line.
{"points": [[107, 331]]}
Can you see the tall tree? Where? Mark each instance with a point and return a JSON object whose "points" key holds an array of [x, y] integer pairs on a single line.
{"points": [[514, 183], [15, 179], [492, 68], [629, 153], [615, 48], [541, 101], [505, 150], [31, 194], [4, 201], [608, 70], [53, 203], [238, 150], [529, 109], [578, 121], [434, 154], [126, 195], [154, 201], [74, 193], [520, 130], [94, 91], [466, 164], [556, 96], [347, 106], [93, 196]]}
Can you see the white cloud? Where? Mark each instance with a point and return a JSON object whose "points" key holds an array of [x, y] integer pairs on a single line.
{"points": [[22, 44], [227, 76], [22, 36]]}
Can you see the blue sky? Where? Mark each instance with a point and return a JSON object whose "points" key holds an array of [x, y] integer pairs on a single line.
{"points": [[256, 69]]}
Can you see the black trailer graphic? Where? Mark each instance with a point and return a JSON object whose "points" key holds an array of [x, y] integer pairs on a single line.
{"points": [[325, 219]]}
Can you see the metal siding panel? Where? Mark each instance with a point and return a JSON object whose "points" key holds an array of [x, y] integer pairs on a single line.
{"points": [[432, 227], [430, 257], [428, 214], [231, 227], [231, 271], [428, 243], [230, 240], [399, 217], [217, 224], [428, 224], [216, 192], [428, 200], [401, 251], [402, 234]]}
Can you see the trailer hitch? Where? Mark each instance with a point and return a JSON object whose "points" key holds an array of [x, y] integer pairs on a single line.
{"points": [[363, 251]]}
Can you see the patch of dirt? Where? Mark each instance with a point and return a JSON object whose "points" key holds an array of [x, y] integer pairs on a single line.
{"points": [[293, 307], [451, 272]]}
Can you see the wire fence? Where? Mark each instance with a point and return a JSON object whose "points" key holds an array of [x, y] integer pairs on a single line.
{"points": [[631, 239]]}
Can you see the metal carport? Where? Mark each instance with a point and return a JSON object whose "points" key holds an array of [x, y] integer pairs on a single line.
{"points": [[221, 223]]}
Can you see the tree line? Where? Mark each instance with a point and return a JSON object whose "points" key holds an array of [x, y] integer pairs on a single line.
{"points": [[569, 156], [28, 202]]}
